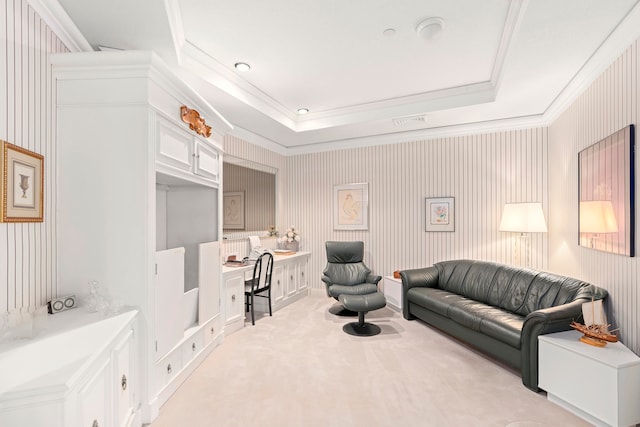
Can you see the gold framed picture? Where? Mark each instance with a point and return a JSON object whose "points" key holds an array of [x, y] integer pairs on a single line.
{"points": [[22, 190]]}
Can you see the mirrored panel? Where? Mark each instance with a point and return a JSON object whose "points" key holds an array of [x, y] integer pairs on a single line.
{"points": [[249, 197]]}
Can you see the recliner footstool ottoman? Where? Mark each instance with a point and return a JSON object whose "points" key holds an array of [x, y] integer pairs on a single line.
{"points": [[362, 304]]}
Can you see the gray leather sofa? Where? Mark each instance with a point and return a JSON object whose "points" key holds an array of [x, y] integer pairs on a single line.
{"points": [[499, 309]]}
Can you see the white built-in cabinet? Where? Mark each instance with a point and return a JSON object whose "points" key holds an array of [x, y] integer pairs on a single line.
{"points": [[288, 284], [135, 184]]}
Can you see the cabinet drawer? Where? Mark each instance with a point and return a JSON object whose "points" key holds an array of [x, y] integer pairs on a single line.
{"points": [[211, 330], [167, 369], [191, 347]]}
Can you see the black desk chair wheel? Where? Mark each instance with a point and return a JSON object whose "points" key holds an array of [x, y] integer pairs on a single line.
{"points": [[260, 284]]}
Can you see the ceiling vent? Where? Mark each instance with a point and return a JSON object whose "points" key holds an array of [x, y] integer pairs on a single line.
{"points": [[408, 120]]}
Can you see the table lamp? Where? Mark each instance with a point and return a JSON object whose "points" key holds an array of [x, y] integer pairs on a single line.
{"points": [[523, 218]]}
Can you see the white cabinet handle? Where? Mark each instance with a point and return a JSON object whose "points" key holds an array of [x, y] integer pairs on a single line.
{"points": [[193, 346], [212, 330], [169, 369], [233, 298], [95, 424], [124, 382]]}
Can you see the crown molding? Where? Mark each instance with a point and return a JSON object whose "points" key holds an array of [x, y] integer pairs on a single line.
{"points": [[57, 19]]}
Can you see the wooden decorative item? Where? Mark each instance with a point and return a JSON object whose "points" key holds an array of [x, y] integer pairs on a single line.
{"points": [[195, 122]]}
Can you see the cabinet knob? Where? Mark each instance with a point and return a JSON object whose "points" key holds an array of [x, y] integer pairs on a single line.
{"points": [[169, 369], [193, 346], [302, 274], [278, 282], [212, 330], [233, 298], [95, 424], [124, 382]]}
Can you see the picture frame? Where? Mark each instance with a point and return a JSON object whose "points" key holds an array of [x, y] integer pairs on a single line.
{"points": [[22, 189], [233, 210], [606, 205], [439, 214], [351, 206]]}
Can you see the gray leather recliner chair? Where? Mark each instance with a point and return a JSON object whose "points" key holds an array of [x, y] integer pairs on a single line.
{"points": [[346, 273]]}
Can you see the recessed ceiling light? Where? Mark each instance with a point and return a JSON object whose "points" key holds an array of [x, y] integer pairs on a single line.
{"points": [[430, 28], [242, 66], [303, 110]]}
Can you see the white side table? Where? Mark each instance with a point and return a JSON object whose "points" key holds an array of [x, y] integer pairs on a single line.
{"points": [[601, 385], [392, 289]]}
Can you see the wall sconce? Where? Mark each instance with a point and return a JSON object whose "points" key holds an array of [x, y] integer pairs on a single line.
{"points": [[523, 218], [597, 217]]}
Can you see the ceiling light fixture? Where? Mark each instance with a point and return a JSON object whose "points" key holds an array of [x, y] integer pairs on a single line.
{"points": [[242, 66], [430, 28], [303, 110]]}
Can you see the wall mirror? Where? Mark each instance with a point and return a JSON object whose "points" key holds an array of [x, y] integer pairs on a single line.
{"points": [[607, 196], [249, 198]]}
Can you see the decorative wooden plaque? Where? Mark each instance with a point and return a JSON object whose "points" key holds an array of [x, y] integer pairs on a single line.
{"points": [[195, 122]]}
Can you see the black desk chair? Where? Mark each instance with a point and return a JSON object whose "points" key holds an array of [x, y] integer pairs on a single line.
{"points": [[259, 284]]}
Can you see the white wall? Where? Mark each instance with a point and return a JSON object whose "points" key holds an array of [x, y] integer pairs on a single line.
{"points": [[481, 172], [608, 105], [27, 119]]}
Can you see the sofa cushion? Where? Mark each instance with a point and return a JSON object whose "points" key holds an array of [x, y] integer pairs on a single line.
{"points": [[480, 317]]}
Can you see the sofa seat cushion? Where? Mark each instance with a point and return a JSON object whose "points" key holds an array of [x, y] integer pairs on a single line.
{"points": [[492, 321]]}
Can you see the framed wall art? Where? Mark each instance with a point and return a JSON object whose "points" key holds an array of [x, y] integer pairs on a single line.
{"points": [[439, 214], [22, 190], [606, 208], [351, 206], [233, 207]]}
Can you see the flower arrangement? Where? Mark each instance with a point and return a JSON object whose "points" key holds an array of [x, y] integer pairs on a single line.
{"points": [[290, 239]]}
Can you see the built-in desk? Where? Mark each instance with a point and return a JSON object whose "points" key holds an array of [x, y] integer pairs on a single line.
{"points": [[289, 283]]}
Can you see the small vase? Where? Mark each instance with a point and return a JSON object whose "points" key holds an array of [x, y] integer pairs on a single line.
{"points": [[290, 246]]}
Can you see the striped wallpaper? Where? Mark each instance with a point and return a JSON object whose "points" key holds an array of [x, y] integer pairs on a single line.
{"points": [[608, 105], [27, 118]]}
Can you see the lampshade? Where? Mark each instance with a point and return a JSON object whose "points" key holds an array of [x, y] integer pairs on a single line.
{"points": [[523, 218], [597, 216]]}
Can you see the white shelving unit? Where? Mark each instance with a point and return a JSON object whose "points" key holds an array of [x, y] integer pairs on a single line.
{"points": [[133, 179]]}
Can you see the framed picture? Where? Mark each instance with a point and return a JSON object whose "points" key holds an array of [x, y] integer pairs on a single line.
{"points": [[439, 214], [22, 193], [233, 207], [606, 208], [351, 206]]}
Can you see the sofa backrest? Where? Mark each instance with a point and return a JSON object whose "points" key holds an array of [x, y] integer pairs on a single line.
{"points": [[515, 289]]}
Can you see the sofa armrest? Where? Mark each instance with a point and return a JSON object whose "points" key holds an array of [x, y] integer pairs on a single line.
{"points": [[327, 281], [540, 322], [426, 277]]}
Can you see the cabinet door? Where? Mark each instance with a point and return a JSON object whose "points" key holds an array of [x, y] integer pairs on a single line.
{"points": [[207, 162], [278, 283], [123, 385], [95, 399], [303, 283], [234, 298], [175, 147], [208, 281], [292, 278]]}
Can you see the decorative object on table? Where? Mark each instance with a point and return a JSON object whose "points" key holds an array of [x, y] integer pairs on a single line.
{"points": [[439, 214], [22, 189], [595, 329], [233, 207], [351, 206], [606, 173], [524, 219], [290, 240], [61, 304], [195, 122], [272, 231], [396, 274]]}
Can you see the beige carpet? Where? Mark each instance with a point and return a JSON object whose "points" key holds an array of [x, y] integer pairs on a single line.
{"points": [[298, 368]]}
